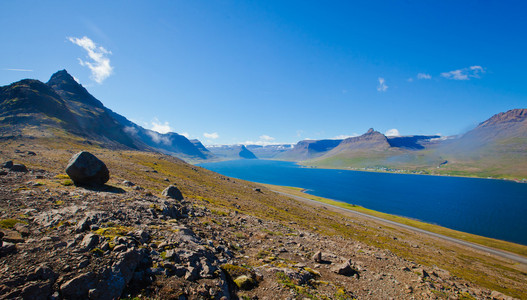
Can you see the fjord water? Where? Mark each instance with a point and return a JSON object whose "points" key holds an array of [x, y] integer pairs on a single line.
{"points": [[491, 208]]}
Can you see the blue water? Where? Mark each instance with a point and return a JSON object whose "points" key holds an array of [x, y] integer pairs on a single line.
{"points": [[491, 208]]}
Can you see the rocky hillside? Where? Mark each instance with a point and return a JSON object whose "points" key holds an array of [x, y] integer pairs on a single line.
{"points": [[62, 104], [208, 236]]}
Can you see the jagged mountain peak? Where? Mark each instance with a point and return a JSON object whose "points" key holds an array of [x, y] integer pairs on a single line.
{"points": [[511, 116], [67, 87]]}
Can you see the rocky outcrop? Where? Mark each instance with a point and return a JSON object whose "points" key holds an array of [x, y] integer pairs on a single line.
{"points": [[85, 168], [172, 192]]}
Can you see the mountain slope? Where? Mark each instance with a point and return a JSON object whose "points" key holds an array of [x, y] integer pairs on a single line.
{"points": [[230, 152], [309, 149], [63, 104]]}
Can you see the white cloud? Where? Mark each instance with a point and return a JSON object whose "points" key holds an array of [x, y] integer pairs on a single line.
{"points": [[100, 65], [423, 76], [382, 87], [130, 130], [18, 70], [392, 132], [160, 127], [267, 138], [159, 138], [465, 73], [264, 140], [410, 79], [213, 135], [185, 134], [344, 136]]}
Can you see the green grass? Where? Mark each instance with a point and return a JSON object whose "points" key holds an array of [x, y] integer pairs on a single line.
{"points": [[10, 223]]}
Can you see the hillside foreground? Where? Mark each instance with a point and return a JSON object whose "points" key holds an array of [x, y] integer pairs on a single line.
{"points": [[228, 238]]}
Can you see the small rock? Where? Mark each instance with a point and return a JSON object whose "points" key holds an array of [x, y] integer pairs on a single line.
{"points": [[317, 257], [128, 183], [173, 192], [244, 282], [120, 248], [8, 164], [78, 287], [19, 168], [89, 242], [31, 153], [344, 269]]}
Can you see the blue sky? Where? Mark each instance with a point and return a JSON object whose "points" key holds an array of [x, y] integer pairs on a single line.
{"points": [[279, 71]]}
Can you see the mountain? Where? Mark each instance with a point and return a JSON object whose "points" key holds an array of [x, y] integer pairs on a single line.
{"points": [[197, 143], [269, 151], [31, 107], [497, 147], [230, 152], [309, 149]]}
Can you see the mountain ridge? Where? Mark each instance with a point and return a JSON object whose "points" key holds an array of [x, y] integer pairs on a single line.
{"points": [[64, 103]]}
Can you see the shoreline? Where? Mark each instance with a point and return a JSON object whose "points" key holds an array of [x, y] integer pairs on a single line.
{"points": [[407, 173], [468, 239]]}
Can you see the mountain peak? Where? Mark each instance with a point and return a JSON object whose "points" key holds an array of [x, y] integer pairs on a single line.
{"points": [[61, 76], [511, 116], [67, 87], [370, 131]]}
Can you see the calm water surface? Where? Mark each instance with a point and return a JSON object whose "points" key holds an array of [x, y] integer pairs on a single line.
{"points": [[491, 208]]}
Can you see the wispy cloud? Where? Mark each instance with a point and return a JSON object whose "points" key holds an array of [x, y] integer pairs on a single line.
{"points": [[264, 140], [423, 76], [344, 136], [100, 65], [382, 87], [212, 136], [392, 132], [160, 127], [159, 138], [185, 134], [465, 73], [18, 70]]}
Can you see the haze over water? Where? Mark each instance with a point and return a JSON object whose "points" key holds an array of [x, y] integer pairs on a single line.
{"points": [[491, 208]]}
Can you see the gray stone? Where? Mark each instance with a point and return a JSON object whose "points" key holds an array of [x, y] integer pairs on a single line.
{"points": [[89, 242], [8, 164], [36, 291], [19, 168], [344, 269], [172, 192], [317, 257], [78, 287], [85, 168], [113, 284]]}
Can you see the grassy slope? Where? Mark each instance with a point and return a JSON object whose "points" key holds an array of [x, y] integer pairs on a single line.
{"points": [[221, 193], [507, 159]]}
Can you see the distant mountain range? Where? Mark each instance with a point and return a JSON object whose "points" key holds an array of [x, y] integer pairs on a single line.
{"points": [[31, 107], [496, 148]]}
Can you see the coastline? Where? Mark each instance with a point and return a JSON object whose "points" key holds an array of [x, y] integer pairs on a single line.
{"points": [[505, 246], [524, 180]]}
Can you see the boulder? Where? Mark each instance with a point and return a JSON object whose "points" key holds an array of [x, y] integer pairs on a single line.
{"points": [[19, 168], [172, 192], [244, 282], [78, 287], [344, 269], [85, 168]]}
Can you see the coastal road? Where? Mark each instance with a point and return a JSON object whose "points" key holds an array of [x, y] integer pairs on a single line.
{"points": [[500, 253]]}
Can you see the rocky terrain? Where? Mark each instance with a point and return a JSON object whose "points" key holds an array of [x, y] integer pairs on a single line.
{"points": [[163, 229]]}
